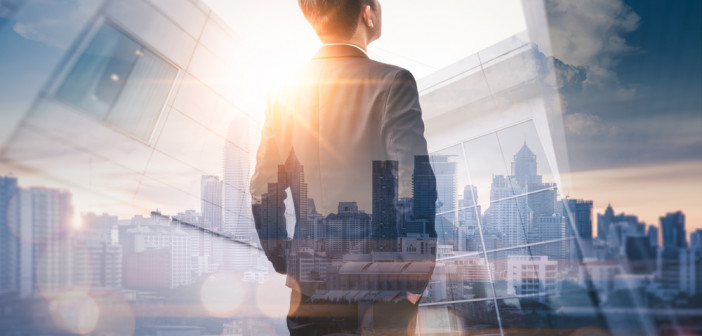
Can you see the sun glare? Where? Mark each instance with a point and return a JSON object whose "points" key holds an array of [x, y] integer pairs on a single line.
{"points": [[78, 220]]}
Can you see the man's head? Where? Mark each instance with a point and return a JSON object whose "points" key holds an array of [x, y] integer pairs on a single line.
{"points": [[343, 19]]}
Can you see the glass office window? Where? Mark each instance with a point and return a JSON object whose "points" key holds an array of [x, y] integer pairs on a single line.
{"points": [[118, 80]]}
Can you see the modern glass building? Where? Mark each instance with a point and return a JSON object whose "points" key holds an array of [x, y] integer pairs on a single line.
{"points": [[127, 137]]}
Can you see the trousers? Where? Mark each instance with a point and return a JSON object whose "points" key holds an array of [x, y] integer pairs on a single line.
{"points": [[310, 318]]}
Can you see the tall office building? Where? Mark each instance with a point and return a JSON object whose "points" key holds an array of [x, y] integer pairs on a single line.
{"points": [[696, 241], [446, 203], [237, 219], [423, 196], [640, 255], [384, 227], [211, 202], [294, 174], [9, 244], [273, 218], [445, 173], [507, 215], [347, 230], [604, 221], [44, 225], [551, 228], [97, 260], [653, 235], [157, 257], [580, 211], [468, 217], [524, 167], [236, 199], [673, 226]]}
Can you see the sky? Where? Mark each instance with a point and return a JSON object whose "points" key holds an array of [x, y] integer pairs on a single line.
{"points": [[631, 80], [420, 37], [632, 103], [631, 94]]}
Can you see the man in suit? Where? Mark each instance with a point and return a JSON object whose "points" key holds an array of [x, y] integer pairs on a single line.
{"points": [[345, 136]]}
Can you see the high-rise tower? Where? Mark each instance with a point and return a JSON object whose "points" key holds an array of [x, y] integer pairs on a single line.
{"points": [[236, 199], [673, 227], [9, 244], [211, 202], [384, 232]]}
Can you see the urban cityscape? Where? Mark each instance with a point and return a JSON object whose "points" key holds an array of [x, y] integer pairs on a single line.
{"points": [[563, 141], [528, 245]]}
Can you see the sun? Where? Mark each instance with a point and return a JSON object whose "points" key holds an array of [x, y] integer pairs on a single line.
{"points": [[269, 66]]}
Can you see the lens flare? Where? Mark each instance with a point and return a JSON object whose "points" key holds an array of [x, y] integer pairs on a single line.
{"points": [[273, 296], [222, 294], [75, 312], [117, 315], [55, 261]]}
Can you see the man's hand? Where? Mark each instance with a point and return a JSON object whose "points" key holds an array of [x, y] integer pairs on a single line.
{"points": [[414, 298]]}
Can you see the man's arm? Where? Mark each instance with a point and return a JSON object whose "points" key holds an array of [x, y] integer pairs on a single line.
{"points": [[268, 196], [403, 133]]}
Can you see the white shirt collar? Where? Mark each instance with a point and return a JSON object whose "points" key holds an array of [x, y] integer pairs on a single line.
{"points": [[346, 44]]}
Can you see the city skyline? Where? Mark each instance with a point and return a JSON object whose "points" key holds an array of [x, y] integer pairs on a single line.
{"points": [[563, 140], [598, 208]]}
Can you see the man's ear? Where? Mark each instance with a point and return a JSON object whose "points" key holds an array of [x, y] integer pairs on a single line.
{"points": [[367, 15]]}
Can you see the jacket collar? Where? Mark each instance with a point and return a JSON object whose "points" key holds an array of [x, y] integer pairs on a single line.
{"points": [[339, 50]]}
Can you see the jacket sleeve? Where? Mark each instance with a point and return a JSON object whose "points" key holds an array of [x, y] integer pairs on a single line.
{"points": [[268, 196], [403, 133]]}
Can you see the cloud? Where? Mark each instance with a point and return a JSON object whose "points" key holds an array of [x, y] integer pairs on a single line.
{"points": [[587, 124], [589, 35]]}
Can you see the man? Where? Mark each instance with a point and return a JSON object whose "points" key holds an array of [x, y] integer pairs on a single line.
{"points": [[345, 136]]}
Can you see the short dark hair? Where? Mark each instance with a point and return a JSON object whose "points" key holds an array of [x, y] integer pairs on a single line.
{"points": [[334, 17]]}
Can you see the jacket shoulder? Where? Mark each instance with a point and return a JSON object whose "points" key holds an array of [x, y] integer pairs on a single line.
{"points": [[389, 70]]}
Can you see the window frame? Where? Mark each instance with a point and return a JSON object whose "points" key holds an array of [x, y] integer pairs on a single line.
{"points": [[74, 54]]}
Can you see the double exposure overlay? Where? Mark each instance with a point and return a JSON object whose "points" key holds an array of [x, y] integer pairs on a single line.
{"points": [[548, 187]]}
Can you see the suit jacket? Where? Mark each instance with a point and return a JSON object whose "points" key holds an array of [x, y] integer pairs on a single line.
{"points": [[323, 131]]}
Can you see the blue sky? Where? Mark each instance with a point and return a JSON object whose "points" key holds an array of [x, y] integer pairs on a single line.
{"points": [[633, 102], [648, 109]]}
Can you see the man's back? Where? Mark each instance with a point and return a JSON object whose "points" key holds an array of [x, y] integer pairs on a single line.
{"points": [[339, 114], [346, 137]]}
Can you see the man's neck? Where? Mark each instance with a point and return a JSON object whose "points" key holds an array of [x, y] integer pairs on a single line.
{"points": [[356, 39]]}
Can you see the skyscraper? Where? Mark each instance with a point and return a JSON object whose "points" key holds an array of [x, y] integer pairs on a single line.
{"points": [[294, 173], [347, 229], [507, 215], [696, 241], [468, 217], [237, 219], [211, 202], [603, 222], [673, 226], [653, 235], [524, 167], [424, 194], [445, 173], [44, 222], [9, 244], [236, 200], [384, 226], [581, 212]]}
